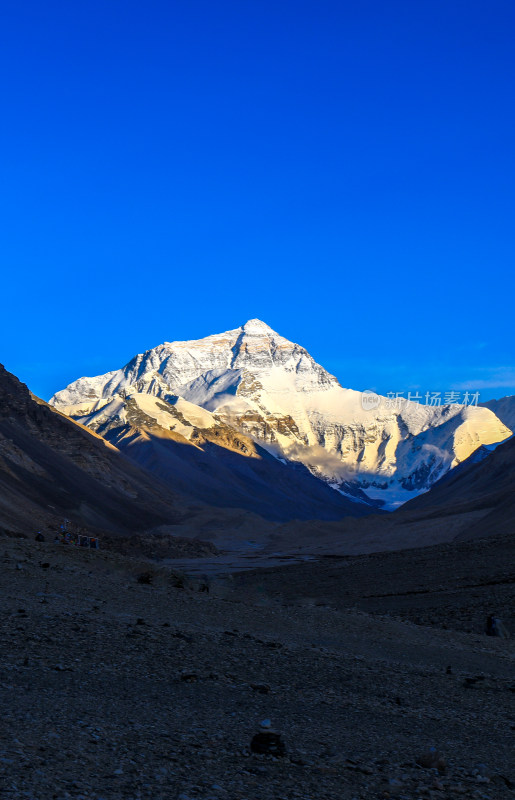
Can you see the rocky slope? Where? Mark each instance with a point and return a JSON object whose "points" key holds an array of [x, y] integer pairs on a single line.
{"points": [[205, 459], [484, 486], [110, 688], [258, 383], [51, 467]]}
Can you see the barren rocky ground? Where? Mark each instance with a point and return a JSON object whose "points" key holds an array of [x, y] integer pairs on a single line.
{"points": [[112, 689]]}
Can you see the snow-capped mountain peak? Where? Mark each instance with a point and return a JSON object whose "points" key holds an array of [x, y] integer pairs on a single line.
{"points": [[257, 327], [271, 389], [226, 358]]}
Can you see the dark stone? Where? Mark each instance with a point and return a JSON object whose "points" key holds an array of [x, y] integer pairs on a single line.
{"points": [[502, 779], [39, 537], [269, 743], [261, 688], [184, 636], [432, 759], [189, 677], [471, 681]]}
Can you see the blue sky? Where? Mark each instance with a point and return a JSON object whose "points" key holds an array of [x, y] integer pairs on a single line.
{"points": [[344, 171]]}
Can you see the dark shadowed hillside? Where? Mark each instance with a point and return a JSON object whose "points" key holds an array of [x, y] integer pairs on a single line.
{"points": [[476, 499], [486, 486], [52, 467], [226, 469]]}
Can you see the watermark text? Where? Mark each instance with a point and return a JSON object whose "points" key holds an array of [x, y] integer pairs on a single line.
{"points": [[397, 400]]}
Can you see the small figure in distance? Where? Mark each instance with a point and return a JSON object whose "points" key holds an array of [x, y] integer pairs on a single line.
{"points": [[39, 537]]}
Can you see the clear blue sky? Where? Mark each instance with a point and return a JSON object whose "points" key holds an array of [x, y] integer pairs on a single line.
{"points": [[344, 171]]}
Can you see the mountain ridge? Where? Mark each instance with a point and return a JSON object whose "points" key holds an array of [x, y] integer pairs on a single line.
{"points": [[204, 459], [270, 389], [52, 467]]}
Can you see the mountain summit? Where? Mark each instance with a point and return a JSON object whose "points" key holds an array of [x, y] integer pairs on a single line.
{"points": [[200, 369], [258, 328], [264, 386]]}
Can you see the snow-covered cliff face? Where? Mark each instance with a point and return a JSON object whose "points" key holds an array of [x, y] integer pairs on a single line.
{"points": [[504, 409], [206, 367], [271, 389]]}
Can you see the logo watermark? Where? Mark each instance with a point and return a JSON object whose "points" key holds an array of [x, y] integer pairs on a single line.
{"points": [[371, 400]]}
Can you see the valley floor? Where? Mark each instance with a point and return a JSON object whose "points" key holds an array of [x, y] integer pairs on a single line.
{"points": [[111, 689]]}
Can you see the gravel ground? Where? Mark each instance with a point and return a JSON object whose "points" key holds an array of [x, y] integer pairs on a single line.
{"points": [[111, 689]]}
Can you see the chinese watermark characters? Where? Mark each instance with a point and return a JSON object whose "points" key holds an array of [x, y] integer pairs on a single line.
{"points": [[397, 400]]}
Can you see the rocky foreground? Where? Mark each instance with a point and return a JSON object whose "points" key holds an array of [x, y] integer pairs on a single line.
{"points": [[120, 679]]}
